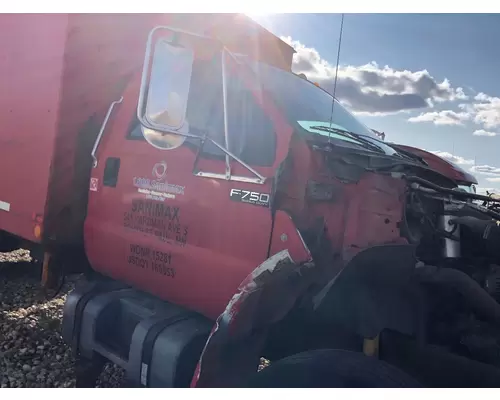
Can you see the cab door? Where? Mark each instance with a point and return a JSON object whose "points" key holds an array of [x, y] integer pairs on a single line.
{"points": [[155, 223]]}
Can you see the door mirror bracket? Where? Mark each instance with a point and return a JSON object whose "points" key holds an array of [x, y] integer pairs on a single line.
{"points": [[160, 113]]}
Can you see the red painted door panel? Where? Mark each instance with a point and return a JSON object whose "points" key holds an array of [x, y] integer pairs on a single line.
{"points": [[166, 231]]}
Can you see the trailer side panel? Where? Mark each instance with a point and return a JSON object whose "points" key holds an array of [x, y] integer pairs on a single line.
{"points": [[31, 63]]}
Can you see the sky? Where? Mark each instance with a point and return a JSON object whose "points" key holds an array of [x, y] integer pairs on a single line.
{"points": [[427, 80]]}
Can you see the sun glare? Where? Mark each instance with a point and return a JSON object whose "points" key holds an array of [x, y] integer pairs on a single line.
{"points": [[257, 14]]}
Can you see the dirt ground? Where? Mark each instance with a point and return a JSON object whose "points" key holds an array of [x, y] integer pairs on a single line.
{"points": [[32, 351]]}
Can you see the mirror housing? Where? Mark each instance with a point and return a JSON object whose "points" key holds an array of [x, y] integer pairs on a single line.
{"points": [[168, 87], [166, 77]]}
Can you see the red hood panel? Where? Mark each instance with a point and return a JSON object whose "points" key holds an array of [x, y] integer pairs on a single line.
{"points": [[441, 165]]}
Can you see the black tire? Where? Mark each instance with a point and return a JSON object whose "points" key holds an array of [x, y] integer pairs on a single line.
{"points": [[331, 369]]}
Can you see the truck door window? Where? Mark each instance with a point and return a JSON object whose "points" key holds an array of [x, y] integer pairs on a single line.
{"points": [[251, 132], [205, 105]]}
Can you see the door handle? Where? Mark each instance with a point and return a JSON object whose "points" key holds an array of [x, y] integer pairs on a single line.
{"points": [[111, 170]]}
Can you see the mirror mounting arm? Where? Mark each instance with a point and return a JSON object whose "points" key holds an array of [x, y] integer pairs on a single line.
{"points": [[224, 101], [259, 179], [203, 139]]}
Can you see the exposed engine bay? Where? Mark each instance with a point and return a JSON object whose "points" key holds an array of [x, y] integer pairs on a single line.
{"points": [[457, 235]]}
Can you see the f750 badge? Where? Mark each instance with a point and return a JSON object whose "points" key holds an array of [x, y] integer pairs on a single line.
{"points": [[246, 196]]}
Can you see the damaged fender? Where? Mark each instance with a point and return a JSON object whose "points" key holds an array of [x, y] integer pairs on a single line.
{"points": [[232, 351]]}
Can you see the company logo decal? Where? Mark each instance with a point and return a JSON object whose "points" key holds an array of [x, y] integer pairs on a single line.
{"points": [[158, 188], [160, 170]]}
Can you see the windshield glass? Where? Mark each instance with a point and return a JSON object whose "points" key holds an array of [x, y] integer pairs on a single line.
{"points": [[308, 106], [468, 188]]}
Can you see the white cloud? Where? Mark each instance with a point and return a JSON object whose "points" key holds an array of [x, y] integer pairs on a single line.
{"points": [[445, 117], [482, 132], [497, 179], [486, 170], [482, 97], [453, 158], [371, 88], [486, 111]]}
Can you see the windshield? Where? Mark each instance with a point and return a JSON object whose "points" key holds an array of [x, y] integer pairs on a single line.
{"points": [[310, 107], [468, 188]]}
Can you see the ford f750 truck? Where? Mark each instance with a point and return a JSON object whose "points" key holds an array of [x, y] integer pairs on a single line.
{"points": [[225, 209]]}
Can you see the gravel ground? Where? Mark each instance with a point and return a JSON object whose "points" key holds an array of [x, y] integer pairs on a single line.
{"points": [[32, 351]]}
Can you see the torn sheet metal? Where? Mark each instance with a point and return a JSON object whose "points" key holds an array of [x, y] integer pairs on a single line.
{"points": [[262, 299]]}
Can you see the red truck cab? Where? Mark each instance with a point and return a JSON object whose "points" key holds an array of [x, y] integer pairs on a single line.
{"points": [[226, 210]]}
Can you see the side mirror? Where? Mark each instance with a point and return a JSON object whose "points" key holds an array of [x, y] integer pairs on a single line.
{"points": [[168, 87], [166, 77], [164, 92]]}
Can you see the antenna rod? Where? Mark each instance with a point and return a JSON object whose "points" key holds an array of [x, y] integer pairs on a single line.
{"points": [[336, 71]]}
